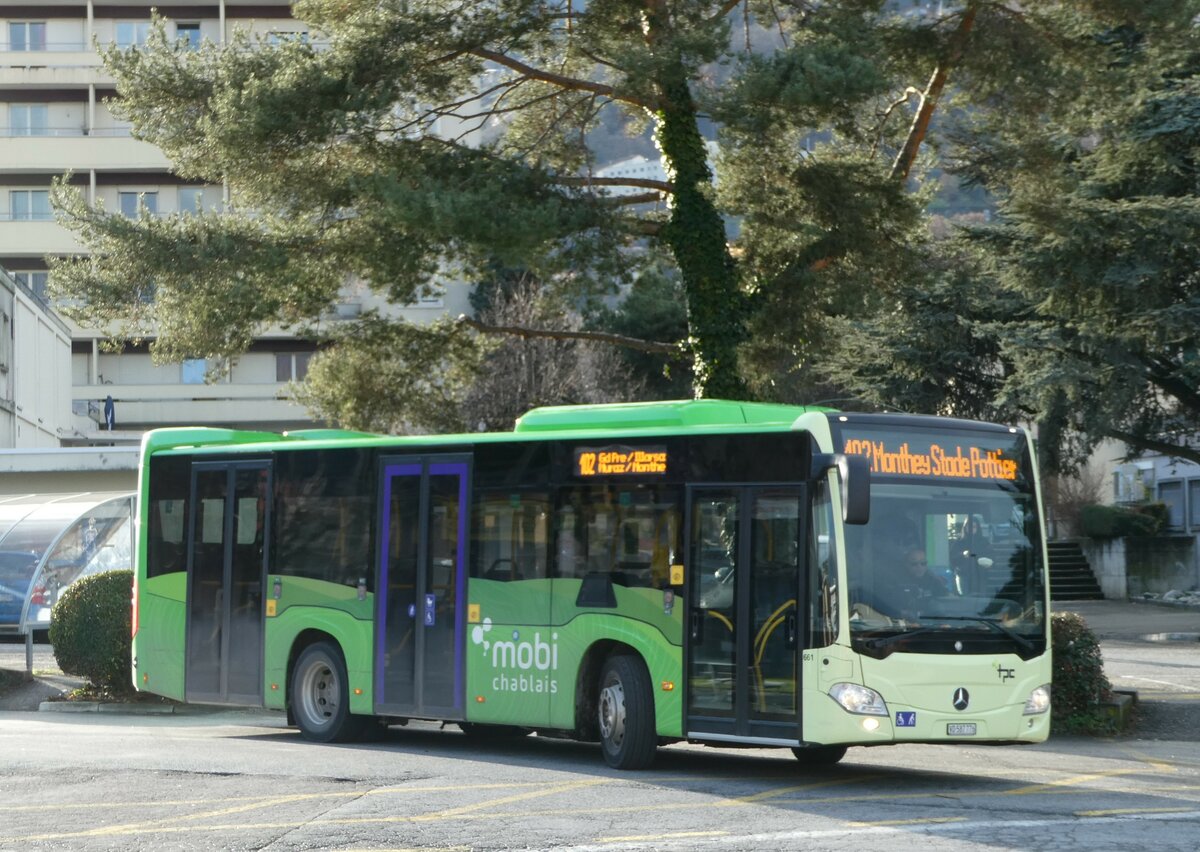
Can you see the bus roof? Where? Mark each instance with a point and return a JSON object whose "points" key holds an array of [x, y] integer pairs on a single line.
{"points": [[574, 421]]}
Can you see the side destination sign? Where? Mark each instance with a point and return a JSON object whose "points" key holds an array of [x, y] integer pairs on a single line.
{"points": [[620, 461], [950, 458]]}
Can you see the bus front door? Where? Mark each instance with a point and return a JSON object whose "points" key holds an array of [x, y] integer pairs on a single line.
{"points": [[744, 605], [227, 571], [422, 587]]}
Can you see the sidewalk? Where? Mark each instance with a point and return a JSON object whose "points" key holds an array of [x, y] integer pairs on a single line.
{"points": [[1134, 620]]}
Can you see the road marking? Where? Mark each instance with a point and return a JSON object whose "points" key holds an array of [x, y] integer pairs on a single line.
{"points": [[331, 794], [783, 791], [672, 835], [928, 821], [1157, 763], [1127, 811], [508, 800], [1069, 782], [744, 841]]}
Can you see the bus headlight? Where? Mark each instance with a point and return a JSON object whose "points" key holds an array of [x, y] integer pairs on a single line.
{"points": [[1038, 701], [858, 699]]}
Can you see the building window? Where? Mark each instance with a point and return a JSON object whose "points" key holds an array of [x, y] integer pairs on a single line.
{"points": [[1171, 493], [28, 119], [191, 199], [131, 203], [35, 280], [193, 370], [132, 33], [27, 35], [1193, 501], [189, 34], [278, 38], [291, 366], [30, 205]]}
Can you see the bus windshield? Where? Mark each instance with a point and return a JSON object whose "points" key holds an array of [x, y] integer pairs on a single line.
{"points": [[944, 558]]}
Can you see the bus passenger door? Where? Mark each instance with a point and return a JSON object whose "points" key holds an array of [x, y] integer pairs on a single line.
{"points": [[744, 604], [228, 528], [422, 587]]}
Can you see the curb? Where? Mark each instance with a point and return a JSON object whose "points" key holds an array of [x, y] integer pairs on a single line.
{"points": [[1166, 604], [101, 707]]}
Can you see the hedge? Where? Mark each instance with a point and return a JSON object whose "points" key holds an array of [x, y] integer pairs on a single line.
{"points": [[90, 630], [1112, 521], [1079, 685]]}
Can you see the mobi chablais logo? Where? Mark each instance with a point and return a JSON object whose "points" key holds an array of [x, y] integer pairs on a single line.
{"points": [[520, 665]]}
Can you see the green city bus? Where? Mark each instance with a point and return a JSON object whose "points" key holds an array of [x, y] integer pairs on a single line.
{"points": [[733, 574]]}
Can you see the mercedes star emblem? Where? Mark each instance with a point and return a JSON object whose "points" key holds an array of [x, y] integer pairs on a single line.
{"points": [[961, 699]]}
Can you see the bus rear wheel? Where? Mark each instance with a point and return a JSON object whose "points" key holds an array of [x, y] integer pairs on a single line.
{"points": [[628, 734], [819, 755], [321, 696]]}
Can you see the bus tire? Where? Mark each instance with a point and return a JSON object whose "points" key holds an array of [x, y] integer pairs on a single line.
{"points": [[819, 755], [320, 696], [625, 706]]}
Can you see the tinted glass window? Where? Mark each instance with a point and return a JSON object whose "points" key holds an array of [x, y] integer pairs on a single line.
{"points": [[631, 533], [324, 508], [511, 535], [166, 520]]}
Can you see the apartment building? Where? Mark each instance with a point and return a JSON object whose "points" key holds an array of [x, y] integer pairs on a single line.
{"points": [[53, 119]]}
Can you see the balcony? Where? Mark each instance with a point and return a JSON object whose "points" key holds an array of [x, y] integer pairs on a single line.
{"points": [[66, 148], [151, 406], [35, 238]]}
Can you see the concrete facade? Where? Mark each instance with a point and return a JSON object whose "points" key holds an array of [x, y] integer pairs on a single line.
{"points": [[54, 119], [35, 366]]}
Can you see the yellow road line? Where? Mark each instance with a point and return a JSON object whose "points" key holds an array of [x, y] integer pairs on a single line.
{"points": [[930, 820], [673, 835], [1070, 782], [1157, 763], [783, 791], [1123, 811], [331, 794], [508, 800]]}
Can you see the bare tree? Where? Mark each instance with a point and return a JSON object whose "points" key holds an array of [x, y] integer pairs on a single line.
{"points": [[520, 373]]}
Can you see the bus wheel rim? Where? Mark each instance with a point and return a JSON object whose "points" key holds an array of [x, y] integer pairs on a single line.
{"points": [[612, 713], [319, 694]]}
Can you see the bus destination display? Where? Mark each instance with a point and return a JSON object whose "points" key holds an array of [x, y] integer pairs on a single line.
{"points": [[620, 461], [941, 458]]}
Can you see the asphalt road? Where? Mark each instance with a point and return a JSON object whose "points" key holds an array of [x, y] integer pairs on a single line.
{"points": [[243, 781]]}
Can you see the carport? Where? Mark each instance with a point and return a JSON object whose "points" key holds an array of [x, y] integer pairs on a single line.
{"points": [[47, 542]]}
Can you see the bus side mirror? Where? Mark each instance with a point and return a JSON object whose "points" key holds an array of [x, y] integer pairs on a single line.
{"points": [[855, 474]]}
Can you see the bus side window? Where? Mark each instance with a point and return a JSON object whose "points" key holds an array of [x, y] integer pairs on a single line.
{"points": [[511, 536]]}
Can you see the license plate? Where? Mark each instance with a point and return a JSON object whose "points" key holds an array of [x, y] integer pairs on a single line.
{"points": [[960, 729]]}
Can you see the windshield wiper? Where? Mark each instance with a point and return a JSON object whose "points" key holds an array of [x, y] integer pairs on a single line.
{"points": [[1020, 640], [882, 643]]}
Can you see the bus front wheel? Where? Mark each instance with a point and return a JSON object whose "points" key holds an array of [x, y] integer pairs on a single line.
{"points": [[628, 735], [819, 755], [321, 696]]}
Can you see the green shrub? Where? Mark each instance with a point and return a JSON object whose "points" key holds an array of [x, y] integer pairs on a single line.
{"points": [[1078, 685], [90, 630], [1112, 521]]}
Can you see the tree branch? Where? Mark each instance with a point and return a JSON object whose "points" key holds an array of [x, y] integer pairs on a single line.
{"points": [[563, 334], [641, 183], [561, 80], [933, 91], [627, 200], [1164, 447]]}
